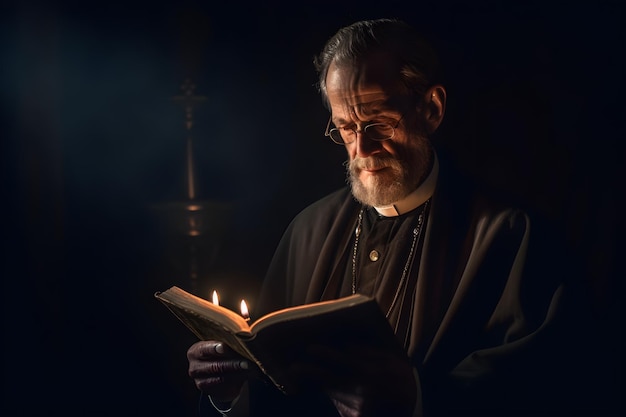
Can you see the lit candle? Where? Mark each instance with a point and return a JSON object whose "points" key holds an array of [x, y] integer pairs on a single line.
{"points": [[244, 310], [216, 300]]}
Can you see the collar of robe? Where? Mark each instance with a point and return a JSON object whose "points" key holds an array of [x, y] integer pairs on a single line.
{"points": [[416, 198]]}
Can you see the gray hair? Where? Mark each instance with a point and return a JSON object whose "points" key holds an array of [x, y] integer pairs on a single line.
{"points": [[418, 61]]}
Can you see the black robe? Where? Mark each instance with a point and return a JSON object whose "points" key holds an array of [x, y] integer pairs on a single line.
{"points": [[493, 330]]}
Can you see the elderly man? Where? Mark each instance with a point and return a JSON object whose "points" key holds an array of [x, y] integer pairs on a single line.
{"points": [[454, 271]]}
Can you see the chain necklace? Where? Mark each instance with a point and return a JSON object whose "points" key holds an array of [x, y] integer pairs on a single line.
{"points": [[417, 231]]}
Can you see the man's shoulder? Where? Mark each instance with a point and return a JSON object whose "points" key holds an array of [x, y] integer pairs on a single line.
{"points": [[464, 191]]}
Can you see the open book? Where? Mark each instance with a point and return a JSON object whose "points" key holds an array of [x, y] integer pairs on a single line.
{"points": [[278, 339]]}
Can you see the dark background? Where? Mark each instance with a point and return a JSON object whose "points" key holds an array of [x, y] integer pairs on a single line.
{"points": [[93, 159]]}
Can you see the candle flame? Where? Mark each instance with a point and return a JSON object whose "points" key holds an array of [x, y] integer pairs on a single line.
{"points": [[216, 300], [244, 310]]}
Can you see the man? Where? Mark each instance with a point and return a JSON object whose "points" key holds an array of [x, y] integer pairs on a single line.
{"points": [[451, 268]]}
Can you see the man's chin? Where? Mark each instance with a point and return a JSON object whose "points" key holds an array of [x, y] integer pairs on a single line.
{"points": [[377, 195], [377, 178]]}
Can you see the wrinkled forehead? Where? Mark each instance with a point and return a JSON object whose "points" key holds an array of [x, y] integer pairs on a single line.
{"points": [[368, 87]]}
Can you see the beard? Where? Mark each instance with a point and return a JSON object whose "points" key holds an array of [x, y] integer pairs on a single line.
{"points": [[396, 180]]}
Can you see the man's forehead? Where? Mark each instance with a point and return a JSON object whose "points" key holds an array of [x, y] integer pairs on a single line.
{"points": [[343, 110], [364, 102], [372, 85]]}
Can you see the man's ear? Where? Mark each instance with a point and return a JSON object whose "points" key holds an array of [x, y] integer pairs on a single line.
{"points": [[433, 107]]}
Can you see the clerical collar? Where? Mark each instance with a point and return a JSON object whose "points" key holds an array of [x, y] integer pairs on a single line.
{"points": [[415, 198]]}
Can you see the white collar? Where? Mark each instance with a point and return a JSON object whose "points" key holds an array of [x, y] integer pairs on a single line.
{"points": [[416, 198]]}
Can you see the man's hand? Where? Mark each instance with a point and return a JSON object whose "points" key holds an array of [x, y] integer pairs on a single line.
{"points": [[217, 370]]}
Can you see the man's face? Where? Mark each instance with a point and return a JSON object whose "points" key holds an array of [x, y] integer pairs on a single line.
{"points": [[380, 173]]}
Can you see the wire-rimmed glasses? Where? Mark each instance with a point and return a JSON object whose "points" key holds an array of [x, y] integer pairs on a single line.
{"points": [[374, 131]]}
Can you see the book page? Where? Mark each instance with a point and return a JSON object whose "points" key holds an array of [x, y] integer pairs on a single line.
{"points": [[205, 309], [307, 310]]}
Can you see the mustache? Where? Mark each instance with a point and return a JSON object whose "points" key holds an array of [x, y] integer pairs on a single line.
{"points": [[372, 162]]}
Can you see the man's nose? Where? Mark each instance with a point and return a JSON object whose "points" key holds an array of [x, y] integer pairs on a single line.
{"points": [[365, 146]]}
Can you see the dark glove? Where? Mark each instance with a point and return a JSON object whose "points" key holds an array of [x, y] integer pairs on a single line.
{"points": [[217, 370]]}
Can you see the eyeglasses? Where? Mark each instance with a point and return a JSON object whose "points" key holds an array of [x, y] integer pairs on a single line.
{"points": [[374, 131]]}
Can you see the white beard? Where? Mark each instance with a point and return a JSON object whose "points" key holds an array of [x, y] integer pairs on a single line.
{"points": [[383, 188]]}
